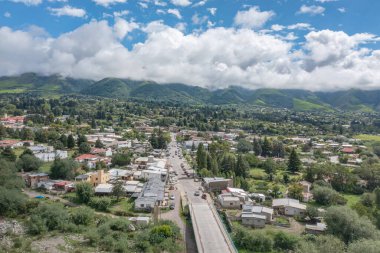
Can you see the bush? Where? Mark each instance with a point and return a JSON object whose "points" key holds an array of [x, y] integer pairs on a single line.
{"points": [[364, 246], [283, 241], [82, 216], [84, 192], [100, 203], [327, 196]]}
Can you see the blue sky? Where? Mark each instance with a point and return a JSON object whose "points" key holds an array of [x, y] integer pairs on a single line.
{"points": [[300, 40]]}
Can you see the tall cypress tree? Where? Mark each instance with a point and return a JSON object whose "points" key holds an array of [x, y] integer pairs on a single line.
{"points": [[294, 163]]}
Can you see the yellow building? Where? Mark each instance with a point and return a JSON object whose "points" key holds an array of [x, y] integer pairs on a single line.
{"points": [[94, 178]]}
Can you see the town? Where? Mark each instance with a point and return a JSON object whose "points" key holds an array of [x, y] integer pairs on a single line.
{"points": [[121, 177]]}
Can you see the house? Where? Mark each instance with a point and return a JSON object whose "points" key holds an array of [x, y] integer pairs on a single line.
{"points": [[116, 174], [61, 185], [101, 151], [89, 159], [124, 144], [132, 187], [213, 184], [229, 201], [32, 179], [290, 207], [260, 210], [254, 220], [94, 178], [348, 150], [140, 221], [51, 156], [103, 189], [151, 195], [317, 229], [307, 195]]}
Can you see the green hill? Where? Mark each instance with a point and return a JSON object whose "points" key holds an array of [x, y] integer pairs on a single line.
{"points": [[31, 82], [301, 100]]}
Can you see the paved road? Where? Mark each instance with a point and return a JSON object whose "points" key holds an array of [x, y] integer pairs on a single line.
{"points": [[208, 230]]}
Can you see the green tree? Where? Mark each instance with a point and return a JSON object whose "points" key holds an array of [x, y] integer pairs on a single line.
{"points": [[266, 147], [70, 141], [201, 157], [367, 246], [99, 144], [8, 154], [242, 167], [84, 148], [244, 146], [295, 191], [28, 163], [63, 169], [257, 147], [118, 190], [121, 159], [345, 223], [294, 163], [84, 191]]}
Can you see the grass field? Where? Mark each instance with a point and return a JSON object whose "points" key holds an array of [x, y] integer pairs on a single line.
{"points": [[12, 91], [367, 137], [351, 199]]}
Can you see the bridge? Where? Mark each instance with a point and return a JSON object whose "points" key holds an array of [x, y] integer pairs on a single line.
{"points": [[210, 234]]}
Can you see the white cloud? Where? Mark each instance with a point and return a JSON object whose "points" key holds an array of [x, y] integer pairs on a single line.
{"points": [[159, 3], [7, 14], [277, 27], [143, 5], [326, 1], [342, 10], [122, 27], [107, 3], [217, 57], [182, 3], [68, 10], [200, 3], [300, 26], [175, 12], [28, 2], [253, 18], [312, 10], [120, 13], [212, 11], [198, 20]]}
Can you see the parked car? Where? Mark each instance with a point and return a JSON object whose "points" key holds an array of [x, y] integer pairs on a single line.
{"points": [[172, 206], [197, 193], [204, 196], [172, 197]]}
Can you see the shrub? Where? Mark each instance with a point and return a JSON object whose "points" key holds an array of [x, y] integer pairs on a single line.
{"points": [[100, 203], [82, 216]]}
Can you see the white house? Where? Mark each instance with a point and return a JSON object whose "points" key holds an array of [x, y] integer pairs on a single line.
{"points": [[260, 210], [51, 156], [254, 220], [289, 207], [229, 201]]}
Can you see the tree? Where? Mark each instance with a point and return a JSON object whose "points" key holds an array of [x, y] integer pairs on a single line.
{"points": [[81, 139], [70, 141], [8, 154], [321, 243], [257, 147], [121, 159], [63, 169], [84, 148], [327, 196], [228, 163], [377, 197], [278, 149], [295, 191], [99, 144], [346, 224], [269, 166], [64, 140], [201, 157], [244, 146], [312, 212], [266, 147], [28, 163], [84, 192], [242, 167], [367, 246], [294, 163], [284, 241], [118, 190], [100, 203]]}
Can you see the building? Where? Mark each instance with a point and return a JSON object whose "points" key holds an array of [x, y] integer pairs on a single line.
{"points": [[104, 189], [261, 210], [51, 156], [290, 207], [317, 229], [254, 220], [306, 193], [229, 201], [214, 184], [32, 179], [95, 178], [151, 195]]}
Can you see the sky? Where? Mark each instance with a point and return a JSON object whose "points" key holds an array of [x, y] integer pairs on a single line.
{"points": [[289, 44]]}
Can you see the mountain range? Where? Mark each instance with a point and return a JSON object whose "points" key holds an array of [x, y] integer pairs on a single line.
{"points": [[303, 100]]}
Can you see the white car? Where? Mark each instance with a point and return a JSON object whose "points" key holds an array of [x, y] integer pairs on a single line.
{"points": [[172, 197]]}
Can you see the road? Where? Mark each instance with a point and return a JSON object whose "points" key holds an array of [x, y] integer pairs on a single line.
{"points": [[209, 233]]}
